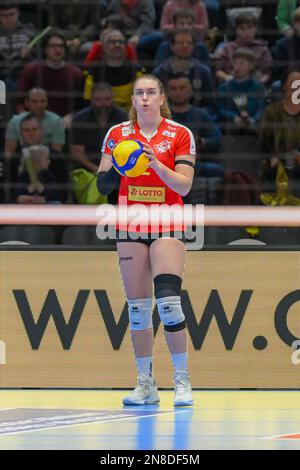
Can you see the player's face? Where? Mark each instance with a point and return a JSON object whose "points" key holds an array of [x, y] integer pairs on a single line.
{"points": [[183, 46], [147, 98], [179, 91], [37, 102]]}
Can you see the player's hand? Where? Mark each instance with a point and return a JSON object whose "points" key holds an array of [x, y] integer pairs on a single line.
{"points": [[154, 163]]}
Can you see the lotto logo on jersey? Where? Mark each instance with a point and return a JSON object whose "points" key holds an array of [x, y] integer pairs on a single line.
{"points": [[146, 194], [163, 146]]}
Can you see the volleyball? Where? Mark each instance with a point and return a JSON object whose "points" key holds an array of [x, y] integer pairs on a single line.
{"points": [[129, 158]]}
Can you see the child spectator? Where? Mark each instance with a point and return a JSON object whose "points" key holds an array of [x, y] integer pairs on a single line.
{"points": [[36, 183], [200, 26], [241, 99], [246, 29]]}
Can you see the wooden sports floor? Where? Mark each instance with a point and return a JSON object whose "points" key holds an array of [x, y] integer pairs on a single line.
{"points": [[84, 419]]}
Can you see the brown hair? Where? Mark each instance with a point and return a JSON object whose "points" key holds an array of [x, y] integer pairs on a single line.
{"points": [[244, 53], [164, 110], [245, 18]]}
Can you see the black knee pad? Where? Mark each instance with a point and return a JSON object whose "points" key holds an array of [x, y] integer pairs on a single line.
{"points": [[167, 285], [167, 290]]}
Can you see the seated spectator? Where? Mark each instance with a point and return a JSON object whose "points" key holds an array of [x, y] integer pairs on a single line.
{"points": [[280, 134], [246, 29], [78, 21], [286, 51], [36, 183], [95, 54], [284, 16], [53, 128], [138, 17], [31, 133], [14, 40], [200, 26], [90, 126], [182, 62], [241, 99], [241, 104], [207, 135], [185, 19], [114, 69], [62, 81]]}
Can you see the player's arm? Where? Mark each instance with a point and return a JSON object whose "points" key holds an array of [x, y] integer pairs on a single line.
{"points": [[179, 180], [107, 178]]}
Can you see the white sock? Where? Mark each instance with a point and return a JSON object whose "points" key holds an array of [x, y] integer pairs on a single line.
{"points": [[145, 365], [180, 362]]}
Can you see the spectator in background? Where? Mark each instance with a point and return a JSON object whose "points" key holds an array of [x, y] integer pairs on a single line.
{"points": [[284, 16], [241, 99], [62, 81], [207, 135], [90, 125], [36, 184], [200, 26], [241, 104], [14, 40], [115, 69], [287, 50], [31, 133], [280, 134], [53, 128], [138, 17], [246, 29], [183, 63], [79, 22], [95, 54], [183, 19]]}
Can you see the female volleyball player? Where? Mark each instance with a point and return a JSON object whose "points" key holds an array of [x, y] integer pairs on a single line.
{"points": [[170, 148]]}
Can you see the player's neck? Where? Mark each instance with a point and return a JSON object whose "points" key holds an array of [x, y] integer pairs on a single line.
{"points": [[149, 126]]}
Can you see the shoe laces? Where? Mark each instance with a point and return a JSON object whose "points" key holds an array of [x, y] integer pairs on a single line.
{"points": [[144, 382], [181, 383]]}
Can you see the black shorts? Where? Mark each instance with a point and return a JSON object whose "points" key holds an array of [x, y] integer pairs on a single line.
{"points": [[147, 238]]}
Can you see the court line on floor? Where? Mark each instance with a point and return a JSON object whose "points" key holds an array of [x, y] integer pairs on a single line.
{"points": [[91, 422], [284, 436]]}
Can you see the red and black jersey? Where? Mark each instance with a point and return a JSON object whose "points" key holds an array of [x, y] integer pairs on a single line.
{"points": [[169, 141]]}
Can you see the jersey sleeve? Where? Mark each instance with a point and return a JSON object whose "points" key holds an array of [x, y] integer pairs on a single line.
{"points": [[111, 138], [185, 143]]}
